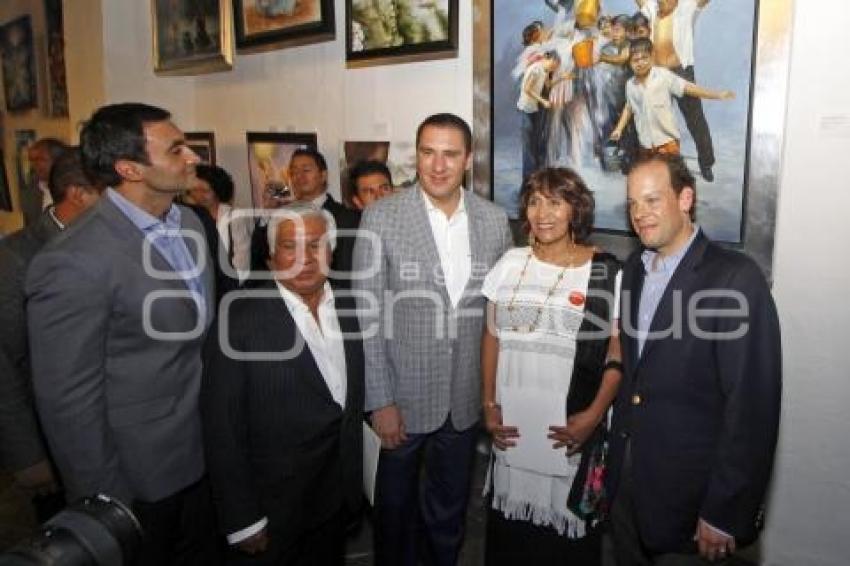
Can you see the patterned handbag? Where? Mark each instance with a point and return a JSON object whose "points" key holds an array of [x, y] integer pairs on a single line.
{"points": [[587, 498]]}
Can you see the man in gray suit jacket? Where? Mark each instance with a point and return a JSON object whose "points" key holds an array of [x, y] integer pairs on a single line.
{"points": [[418, 266], [118, 309], [22, 449]]}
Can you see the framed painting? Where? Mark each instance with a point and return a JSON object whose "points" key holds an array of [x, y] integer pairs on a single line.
{"points": [[202, 143], [23, 168], [742, 46], [268, 163], [398, 31], [5, 196], [57, 85], [263, 25], [18, 62], [191, 37]]}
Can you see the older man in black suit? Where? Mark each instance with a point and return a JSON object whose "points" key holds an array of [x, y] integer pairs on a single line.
{"points": [[283, 403], [696, 420]]}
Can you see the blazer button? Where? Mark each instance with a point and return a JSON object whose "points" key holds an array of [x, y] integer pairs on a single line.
{"points": [[636, 399]]}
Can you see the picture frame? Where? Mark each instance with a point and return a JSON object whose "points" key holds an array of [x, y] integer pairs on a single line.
{"points": [[23, 168], [268, 161], [763, 146], [57, 84], [18, 63], [191, 37], [202, 143], [376, 33], [5, 194], [398, 156], [264, 25]]}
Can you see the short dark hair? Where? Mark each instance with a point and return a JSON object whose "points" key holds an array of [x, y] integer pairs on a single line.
{"points": [[218, 179], [602, 19], [447, 120], [680, 176], [621, 20], [67, 171], [313, 154], [363, 168], [529, 31], [640, 45], [566, 183], [638, 19], [54, 147], [116, 132]]}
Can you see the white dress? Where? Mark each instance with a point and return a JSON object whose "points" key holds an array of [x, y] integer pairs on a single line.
{"points": [[540, 359]]}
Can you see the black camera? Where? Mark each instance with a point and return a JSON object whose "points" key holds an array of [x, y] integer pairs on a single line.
{"points": [[97, 530]]}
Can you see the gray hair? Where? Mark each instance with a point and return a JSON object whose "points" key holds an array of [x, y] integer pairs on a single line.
{"points": [[297, 212]]}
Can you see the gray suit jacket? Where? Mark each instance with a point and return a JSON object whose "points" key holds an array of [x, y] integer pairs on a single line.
{"points": [[118, 402], [422, 354], [21, 445]]}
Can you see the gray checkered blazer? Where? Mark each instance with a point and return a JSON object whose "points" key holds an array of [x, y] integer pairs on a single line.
{"points": [[421, 353]]}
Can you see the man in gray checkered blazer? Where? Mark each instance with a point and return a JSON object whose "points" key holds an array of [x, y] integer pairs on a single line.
{"points": [[419, 262]]}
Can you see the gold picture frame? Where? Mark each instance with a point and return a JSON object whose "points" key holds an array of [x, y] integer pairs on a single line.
{"points": [[192, 38]]}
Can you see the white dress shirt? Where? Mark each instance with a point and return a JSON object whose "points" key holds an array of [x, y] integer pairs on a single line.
{"points": [[326, 345], [684, 19], [451, 235], [651, 103]]}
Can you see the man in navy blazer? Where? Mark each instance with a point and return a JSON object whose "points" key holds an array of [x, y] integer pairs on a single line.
{"points": [[696, 419]]}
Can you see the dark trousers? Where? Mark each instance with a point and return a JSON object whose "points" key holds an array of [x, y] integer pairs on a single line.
{"points": [[533, 143], [691, 108], [322, 545], [422, 492], [179, 529], [512, 541], [628, 547]]}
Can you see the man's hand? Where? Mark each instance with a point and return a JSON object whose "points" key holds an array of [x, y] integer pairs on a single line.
{"points": [[726, 95], [389, 425], [254, 544], [713, 545], [38, 479], [503, 436]]}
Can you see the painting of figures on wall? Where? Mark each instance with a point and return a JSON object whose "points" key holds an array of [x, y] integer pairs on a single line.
{"points": [[378, 29], [271, 24], [57, 86], [23, 168], [191, 36], [268, 164], [560, 75], [18, 62]]}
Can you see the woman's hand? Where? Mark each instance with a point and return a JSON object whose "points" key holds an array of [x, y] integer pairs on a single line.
{"points": [[579, 428], [503, 436]]}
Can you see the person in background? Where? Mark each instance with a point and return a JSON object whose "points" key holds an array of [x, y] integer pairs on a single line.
{"points": [[370, 181], [214, 192], [23, 450], [37, 196]]}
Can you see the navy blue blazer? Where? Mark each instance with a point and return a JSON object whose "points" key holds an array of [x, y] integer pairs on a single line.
{"points": [[701, 412]]}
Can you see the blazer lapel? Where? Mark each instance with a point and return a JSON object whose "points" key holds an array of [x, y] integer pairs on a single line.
{"points": [[350, 334], [309, 369], [477, 241], [422, 239]]}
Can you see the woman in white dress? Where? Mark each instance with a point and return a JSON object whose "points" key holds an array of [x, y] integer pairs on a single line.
{"points": [[550, 342]]}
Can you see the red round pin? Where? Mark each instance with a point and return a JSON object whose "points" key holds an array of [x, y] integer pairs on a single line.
{"points": [[576, 298]]}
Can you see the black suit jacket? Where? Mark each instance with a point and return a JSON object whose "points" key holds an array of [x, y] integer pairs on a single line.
{"points": [[277, 444], [703, 432]]}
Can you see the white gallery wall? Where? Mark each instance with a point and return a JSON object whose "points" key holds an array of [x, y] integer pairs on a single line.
{"points": [[309, 89], [302, 89]]}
